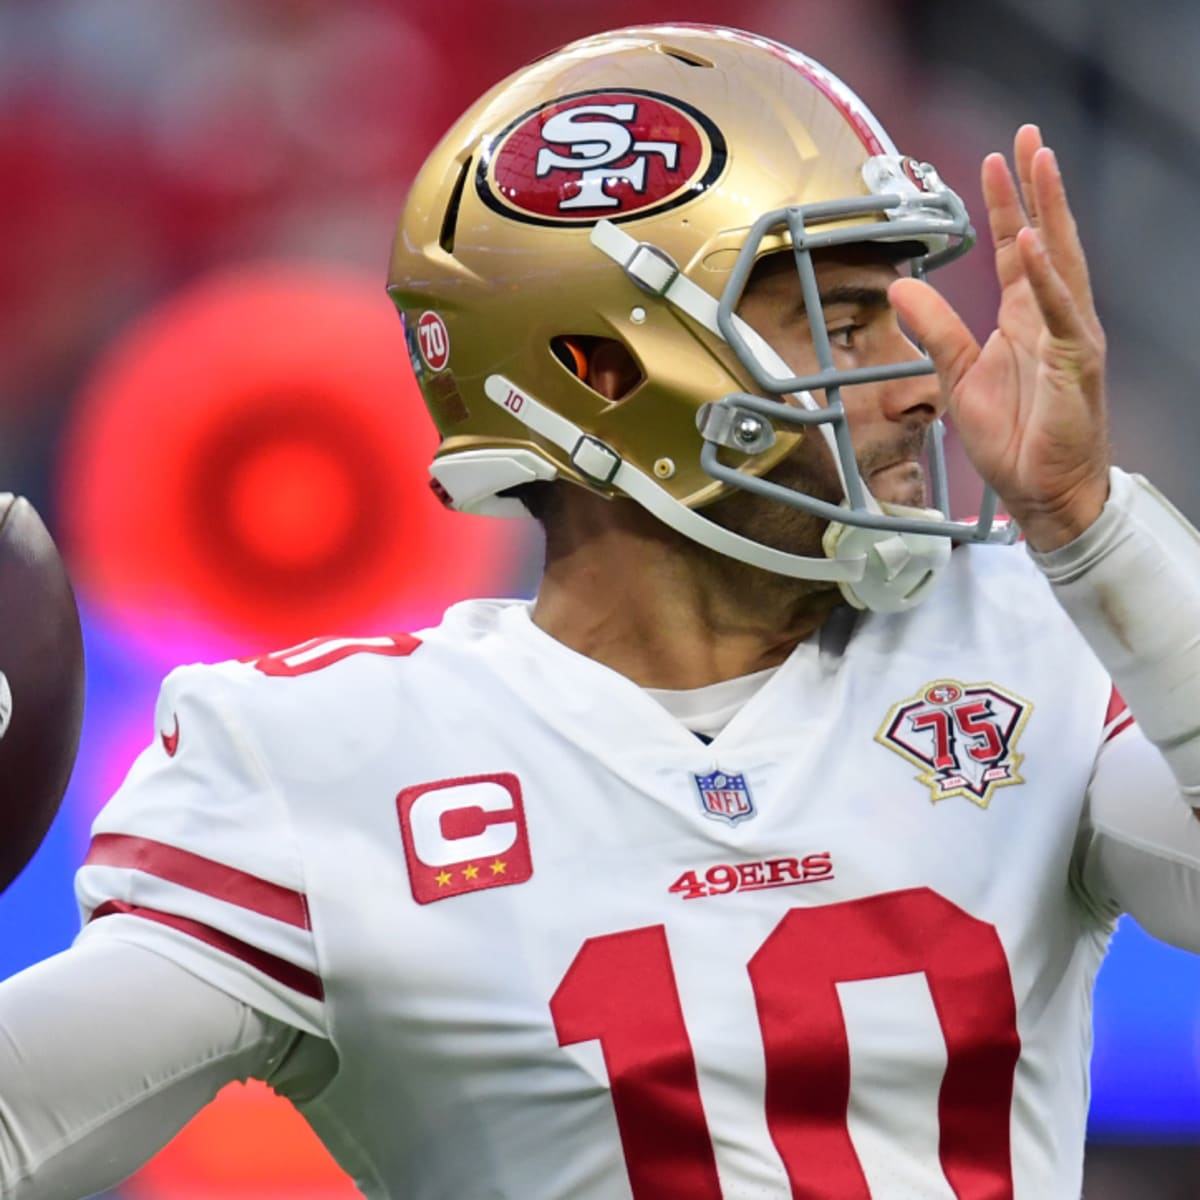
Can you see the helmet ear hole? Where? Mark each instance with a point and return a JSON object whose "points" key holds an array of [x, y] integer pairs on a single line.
{"points": [[571, 354], [604, 364]]}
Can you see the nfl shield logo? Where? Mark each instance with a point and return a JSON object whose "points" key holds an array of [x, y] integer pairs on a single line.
{"points": [[725, 796]]}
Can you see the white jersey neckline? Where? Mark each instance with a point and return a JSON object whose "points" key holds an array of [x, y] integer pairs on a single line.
{"points": [[707, 710], [607, 712]]}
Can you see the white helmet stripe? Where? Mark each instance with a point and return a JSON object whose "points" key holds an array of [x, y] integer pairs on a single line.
{"points": [[655, 499]]}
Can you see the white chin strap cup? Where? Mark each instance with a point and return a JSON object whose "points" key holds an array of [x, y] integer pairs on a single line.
{"points": [[899, 567]]}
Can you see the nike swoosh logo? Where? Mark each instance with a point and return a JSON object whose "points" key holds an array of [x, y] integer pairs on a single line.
{"points": [[170, 741]]}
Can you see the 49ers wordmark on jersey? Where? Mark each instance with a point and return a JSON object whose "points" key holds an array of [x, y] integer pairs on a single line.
{"points": [[616, 154], [464, 835], [963, 736]]}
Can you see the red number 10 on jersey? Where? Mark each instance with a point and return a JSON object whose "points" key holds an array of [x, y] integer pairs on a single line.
{"points": [[621, 990]]}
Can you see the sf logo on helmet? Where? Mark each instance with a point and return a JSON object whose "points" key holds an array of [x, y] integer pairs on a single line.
{"points": [[613, 154], [601, 151]]}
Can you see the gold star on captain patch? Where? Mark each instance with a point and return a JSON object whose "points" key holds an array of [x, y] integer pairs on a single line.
{"points": [[443, 878], [498, 867], [470, 872]]}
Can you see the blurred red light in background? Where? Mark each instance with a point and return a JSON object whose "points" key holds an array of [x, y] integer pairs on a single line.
{"points": [[292, 503], [251, 457]]}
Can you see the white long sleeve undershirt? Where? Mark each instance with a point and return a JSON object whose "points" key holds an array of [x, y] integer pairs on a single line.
{"points": [[1131, 584], [106, 1051]]}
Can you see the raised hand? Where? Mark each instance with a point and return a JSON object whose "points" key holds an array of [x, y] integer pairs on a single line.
{"points": [[1029, 405]]}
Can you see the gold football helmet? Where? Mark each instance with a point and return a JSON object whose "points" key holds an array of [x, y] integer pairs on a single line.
{"points": [[623, 188]]}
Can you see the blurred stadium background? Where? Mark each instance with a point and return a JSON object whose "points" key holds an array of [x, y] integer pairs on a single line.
{"points": [[204, 390]]}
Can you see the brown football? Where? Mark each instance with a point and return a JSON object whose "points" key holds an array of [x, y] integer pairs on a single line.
{"points": [[41, 683]]}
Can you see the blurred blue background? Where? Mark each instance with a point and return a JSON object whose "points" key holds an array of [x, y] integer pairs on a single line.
{"points": [[203, 390]]}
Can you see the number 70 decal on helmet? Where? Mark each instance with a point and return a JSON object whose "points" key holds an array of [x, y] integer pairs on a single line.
{"points": [[962, 736]]}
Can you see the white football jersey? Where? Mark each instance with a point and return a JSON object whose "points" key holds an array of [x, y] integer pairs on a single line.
{"points": [[565, 950]]}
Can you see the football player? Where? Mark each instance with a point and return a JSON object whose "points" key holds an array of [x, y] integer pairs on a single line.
{"points": [[773, 849]]}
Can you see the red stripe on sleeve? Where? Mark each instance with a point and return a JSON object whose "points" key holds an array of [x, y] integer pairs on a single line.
{"points": [[290, 975], [1119, 727], [1116, 706], [200, 875]]}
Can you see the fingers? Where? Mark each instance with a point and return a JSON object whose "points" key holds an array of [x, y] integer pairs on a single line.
{"points": [[1061, 314], [937, 327], [1041, 203], [1026, 144], [1060, 234], [1006, 217]]}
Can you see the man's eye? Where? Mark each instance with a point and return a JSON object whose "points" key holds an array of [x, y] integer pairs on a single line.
{"points": [[842, 337]]}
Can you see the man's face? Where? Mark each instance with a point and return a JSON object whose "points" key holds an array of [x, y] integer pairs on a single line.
{"points": [[888, 420]]}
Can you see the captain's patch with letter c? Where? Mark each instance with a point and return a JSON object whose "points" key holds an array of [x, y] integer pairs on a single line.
{"points": [[464, 835]]}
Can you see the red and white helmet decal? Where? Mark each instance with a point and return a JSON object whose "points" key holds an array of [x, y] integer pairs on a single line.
{"points": [[918, 173], [433, 341], [617, 154]]}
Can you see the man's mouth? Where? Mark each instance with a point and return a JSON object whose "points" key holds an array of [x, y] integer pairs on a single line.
{"points": [[898, 466], [899, 461]]}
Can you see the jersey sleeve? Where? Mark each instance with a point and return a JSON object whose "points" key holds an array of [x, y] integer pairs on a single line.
{"points": [[1138, 849], [194, 856]]}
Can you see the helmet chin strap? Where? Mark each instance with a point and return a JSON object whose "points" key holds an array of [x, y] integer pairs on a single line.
{"points": [[875, 569], [598, 462]]}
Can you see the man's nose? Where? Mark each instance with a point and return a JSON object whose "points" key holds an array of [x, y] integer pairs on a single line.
{"points": [[913, 396]]}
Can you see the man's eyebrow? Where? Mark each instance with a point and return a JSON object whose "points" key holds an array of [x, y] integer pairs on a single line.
{"points": [[856, 294], [872, 299]]}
